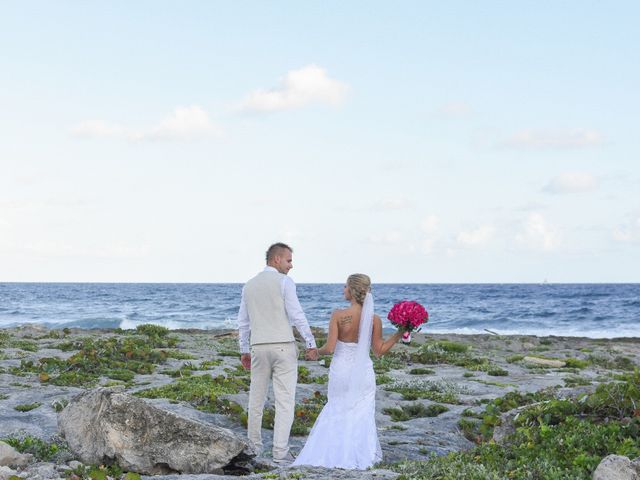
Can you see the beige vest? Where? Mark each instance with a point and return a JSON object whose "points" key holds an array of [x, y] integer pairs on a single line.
{"points": [[265, 306]]}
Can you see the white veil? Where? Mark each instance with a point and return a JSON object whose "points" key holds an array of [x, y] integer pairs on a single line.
{"points": [[362, 360]]}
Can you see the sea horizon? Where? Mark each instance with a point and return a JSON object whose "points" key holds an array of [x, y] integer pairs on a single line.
{"points": [[596, 310]]}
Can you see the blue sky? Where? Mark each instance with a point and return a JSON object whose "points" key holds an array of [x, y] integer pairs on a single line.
{"points": [[413, 141]]}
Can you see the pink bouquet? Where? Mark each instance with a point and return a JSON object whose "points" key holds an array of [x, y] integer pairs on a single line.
{"points": [[408, 316]]}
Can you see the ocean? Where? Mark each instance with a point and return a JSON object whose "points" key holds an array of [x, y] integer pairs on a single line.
{"points": [[589, 310]]}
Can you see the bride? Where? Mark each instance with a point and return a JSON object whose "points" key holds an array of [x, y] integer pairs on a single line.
{"points": [[345, 435]]}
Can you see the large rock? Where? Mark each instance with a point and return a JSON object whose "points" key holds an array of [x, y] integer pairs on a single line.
{"points": [[104, 426], [544, 362], [617, 467], [6, 472], [10, 457]]}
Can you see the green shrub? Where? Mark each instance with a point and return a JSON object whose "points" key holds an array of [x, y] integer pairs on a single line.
{"points": [[202, 391], [451, 353], [383, 379], [24, 345], [422, 371], [497, 372], [152, 330], [27, 407], [576, 363], [452, 347], [575, 381], [387, 363], [442, 391], [619, 362], [41, 450], [555, 439], [570, 450], [102, 472], [59, 404], [414, 410], [304, 376], [120, 358], [305, 415]]}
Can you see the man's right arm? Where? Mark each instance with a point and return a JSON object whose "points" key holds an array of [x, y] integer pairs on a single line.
{"points": [[244, 333], [297, 318]]}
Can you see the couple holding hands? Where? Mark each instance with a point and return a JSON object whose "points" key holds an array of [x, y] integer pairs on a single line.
{"points": [[344, 434]]}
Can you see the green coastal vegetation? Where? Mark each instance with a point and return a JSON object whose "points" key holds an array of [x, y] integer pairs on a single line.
{"points": [[554, 438], [562, 431]]}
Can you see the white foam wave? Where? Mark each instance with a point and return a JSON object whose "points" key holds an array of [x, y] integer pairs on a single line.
{"points": [[128, 324], [562, 332]]}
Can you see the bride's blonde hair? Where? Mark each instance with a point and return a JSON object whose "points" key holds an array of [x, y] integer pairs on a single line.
{"points": [[358, 284]]}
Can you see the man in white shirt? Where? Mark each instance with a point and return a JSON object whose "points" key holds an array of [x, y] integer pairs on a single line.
{"points": [[268, 309]]}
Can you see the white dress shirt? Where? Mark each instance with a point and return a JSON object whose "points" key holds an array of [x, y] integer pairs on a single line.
{"points": [[293, 308]]}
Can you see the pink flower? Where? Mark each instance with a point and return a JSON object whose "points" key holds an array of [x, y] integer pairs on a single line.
{"points": [[408, 315]]}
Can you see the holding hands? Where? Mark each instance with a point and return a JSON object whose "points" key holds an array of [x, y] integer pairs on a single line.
{"points": [[311, 354], [245, 360]]}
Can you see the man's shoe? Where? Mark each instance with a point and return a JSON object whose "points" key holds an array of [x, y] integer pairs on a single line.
{"points": [[286, 460]]}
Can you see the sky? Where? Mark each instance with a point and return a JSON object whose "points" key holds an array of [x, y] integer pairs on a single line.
{"points": [[415, 141]]}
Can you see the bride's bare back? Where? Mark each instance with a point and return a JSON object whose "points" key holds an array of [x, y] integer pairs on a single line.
{"points": [[344, 325], [348, 321]]}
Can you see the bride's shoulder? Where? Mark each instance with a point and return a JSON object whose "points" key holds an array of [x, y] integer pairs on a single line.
{"points": [[342, 312], [338, 312]]}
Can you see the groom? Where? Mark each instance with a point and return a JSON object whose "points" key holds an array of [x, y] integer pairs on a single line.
{"points": [[268, 308]]}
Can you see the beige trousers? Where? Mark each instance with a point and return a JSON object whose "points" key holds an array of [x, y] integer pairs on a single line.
{"points": [[277, 362]]}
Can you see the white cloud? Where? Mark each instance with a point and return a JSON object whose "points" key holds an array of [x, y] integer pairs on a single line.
{"points": [[431, 231], [622, 235], [184, 124], [55, 249], [391, 239], [291, 235], [630, 231], [538, 234], [572, 182], [97, 129], [455, 109], [477, 237], [562, 139], [392, 204], [306, 86], [395, 165]]}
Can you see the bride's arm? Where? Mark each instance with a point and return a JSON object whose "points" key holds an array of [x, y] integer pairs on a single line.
{"points": [[380, 346], [332, 336]]}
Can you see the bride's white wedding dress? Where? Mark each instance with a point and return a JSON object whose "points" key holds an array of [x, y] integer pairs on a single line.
{"points": [[345, 434]]}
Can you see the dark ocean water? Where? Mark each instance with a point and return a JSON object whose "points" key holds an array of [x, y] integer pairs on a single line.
{"points": [[593, 310]]}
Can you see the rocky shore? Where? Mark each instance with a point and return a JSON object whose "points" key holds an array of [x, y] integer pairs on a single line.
{"points": [[432, 399]]}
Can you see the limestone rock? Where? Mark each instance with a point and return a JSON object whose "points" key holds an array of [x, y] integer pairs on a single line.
{"points": [[305, 472], [6, 472], [507, 424], [10, 457], [102, 426], [73, 464], [544, 362], [43, 471], [616, 467]]}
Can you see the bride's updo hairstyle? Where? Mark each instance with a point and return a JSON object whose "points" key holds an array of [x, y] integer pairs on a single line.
{"points": [[358, 284]]}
